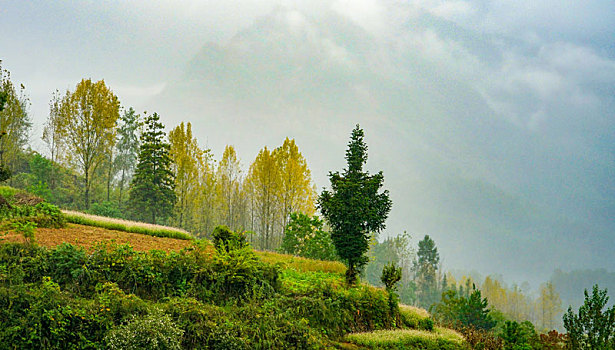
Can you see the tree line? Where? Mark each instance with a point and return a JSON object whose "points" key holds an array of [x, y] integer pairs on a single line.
{"points": [[110, 160]]}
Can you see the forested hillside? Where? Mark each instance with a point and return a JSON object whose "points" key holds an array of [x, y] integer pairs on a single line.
{"points": [[214, 290]]}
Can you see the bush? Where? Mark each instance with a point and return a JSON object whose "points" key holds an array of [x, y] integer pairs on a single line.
{"points": [[225, 239], [553, 340], [8, 192], [44, 317], [5, 173], [481, 339], [336, 311], [304, 236], [460, 311], [519, 335], [26, 229], [106, 208], [391, 274], [412, 316], [426, 324], [239, 275], [42, 214], [153, 331]]}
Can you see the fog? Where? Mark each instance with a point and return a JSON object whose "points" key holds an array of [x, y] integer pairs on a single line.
{"points": [[492, 121]]}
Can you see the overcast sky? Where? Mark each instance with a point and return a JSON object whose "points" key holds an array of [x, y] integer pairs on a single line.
{"points": [[541, 70]]}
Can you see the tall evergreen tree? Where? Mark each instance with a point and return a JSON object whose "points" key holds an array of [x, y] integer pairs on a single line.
{"points": [[152, 191], [127, 148], [354, 207], [425, 276]]}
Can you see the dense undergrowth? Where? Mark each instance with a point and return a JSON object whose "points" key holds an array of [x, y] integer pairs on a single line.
{"points": [[223, 297], [18, 208], [229, 299]]}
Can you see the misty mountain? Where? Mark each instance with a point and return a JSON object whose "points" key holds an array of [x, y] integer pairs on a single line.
{"points": [[571, 285], [495, 195]]}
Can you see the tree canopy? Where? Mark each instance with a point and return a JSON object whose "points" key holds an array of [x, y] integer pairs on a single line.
{"points": [[86, 123], [152, 191], [354, 207], [592, 327], [425, 272]]}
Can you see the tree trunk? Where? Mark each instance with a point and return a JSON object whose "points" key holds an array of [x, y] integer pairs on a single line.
{"points": [[87, 190]]}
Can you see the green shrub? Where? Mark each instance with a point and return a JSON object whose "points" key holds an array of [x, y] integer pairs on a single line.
{"points": [[239, 274], [52, 216], [106, 208], [201, 323], [116, 305], [337, 311], [271, 326], [8, 192], [304, 236], [219, 300], [391, 274], [5, 172], [26, 229], [153, 331], [23, 263], [42, 214], [411, 316], [228, 240], [44, 317], [67, 264], [426, 324]]}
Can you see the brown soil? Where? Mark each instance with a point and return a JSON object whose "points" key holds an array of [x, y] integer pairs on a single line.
{"points": [[88, 236]]}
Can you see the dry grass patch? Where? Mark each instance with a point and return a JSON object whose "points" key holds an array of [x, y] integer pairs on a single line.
{"points": [[440, 338], [76, 217], [301, 264]]}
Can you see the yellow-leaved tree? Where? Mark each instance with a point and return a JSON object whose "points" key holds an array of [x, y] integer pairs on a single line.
{"points": [[263, 182], [549, 305], [296, 192], [51, 133], [186, 156], [230, 199], [205, 202], [86, 123]]}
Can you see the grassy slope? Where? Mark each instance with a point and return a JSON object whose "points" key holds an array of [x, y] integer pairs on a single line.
{"points": [[76, 217], [298, 274]]}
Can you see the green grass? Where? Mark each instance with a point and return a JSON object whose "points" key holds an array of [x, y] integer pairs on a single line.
{"points": [[439, 339], [8, 192], [302, 283], [126, 226], [412, 316], [301, 264]]}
